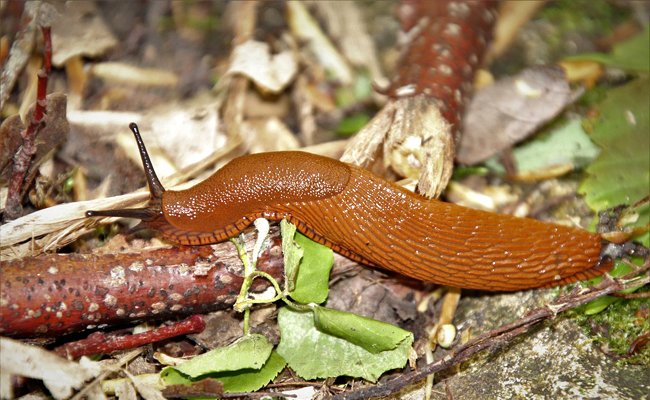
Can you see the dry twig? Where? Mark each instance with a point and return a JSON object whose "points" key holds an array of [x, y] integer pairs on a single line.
{"points": [[502, 335]]}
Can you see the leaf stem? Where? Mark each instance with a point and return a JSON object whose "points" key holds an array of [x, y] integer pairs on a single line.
{"points": [[244, 302]]}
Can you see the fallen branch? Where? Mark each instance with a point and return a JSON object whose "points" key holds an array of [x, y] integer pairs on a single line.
{"points": [[49, 296], [416, 132]]}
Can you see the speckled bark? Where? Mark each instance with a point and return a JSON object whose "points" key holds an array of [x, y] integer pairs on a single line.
{"points": [[59, 294]]}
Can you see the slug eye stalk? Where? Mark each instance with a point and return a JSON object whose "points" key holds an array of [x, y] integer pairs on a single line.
{"points": [[156, 189]]}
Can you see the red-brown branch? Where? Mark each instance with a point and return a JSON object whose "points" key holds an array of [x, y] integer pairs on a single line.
{"points": [[100, 343], [440, 61], [58, 294], [47, 42]]}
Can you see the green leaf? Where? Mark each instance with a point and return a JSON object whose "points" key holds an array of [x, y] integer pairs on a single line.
{"points": [[630, 55], [250, 352], [362, 85], [601, 303], [308, 281], [313, 354], [374, 336], [249, 380], [352, 124], [292, 254], [312, 282], [244, 380], [621, 173], [172, 377], [567, 144]]}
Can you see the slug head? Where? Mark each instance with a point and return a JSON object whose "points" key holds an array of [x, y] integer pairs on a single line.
{"points": [[152, 215]]}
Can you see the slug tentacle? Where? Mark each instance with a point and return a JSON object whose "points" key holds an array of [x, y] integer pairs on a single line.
{"points": [[150, 215], [373, 221], [155, 187]]}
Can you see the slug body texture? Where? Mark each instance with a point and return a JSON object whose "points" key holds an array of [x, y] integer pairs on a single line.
{"points": [[379, 223]]}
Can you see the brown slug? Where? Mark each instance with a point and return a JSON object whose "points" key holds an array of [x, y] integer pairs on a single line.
{"points": [[370, 220]]}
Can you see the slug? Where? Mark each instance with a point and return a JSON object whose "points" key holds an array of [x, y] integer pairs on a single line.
{"points": [[370, 220]]}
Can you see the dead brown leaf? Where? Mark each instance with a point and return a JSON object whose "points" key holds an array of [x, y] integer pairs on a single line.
{"points": [[511, 110]]}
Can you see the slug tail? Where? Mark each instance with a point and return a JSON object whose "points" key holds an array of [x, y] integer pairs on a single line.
{"points": [[604, 265]]}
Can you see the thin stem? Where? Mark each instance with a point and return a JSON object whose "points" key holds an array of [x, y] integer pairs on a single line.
{"points": [[297, 306], [243, 256], [247, 317], [243, 302]]}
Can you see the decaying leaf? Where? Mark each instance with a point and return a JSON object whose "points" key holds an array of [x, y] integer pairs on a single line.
{"points": [[512, 109], [118, 72], [209, 386], [346, 26], [146, 389], [198, 122], [80, 32], [268, 134], [305, 28], [10, 139], [271, 73], [59, 375], [125, 390]]}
